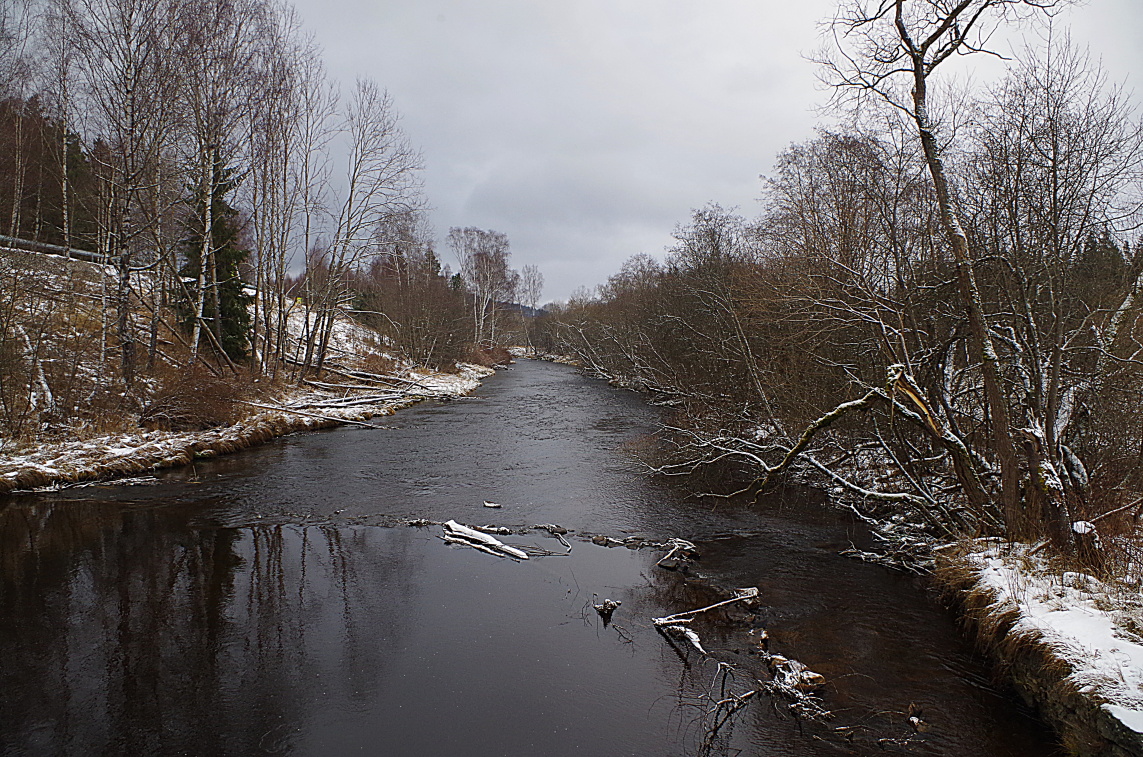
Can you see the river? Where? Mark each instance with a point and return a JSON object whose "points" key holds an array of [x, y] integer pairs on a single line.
{"points": [[275, 602]]}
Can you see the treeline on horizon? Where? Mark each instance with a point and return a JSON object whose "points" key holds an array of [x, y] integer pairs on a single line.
{"points": [[200, 150], [979, 373]]}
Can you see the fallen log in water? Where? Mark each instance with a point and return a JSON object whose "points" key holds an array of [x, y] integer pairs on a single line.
{"points": [[457, 533]]}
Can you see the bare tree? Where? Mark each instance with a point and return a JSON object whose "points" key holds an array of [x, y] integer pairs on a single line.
{"points": [[484, 256], [217, 60], [293, 94], [530, 290], [381, 179], [122, 47], [891, 50]]}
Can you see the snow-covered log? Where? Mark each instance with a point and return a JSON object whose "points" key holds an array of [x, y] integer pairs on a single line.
{"points": [[457, 531]]}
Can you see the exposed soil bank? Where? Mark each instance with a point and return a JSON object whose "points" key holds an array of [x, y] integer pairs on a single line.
{"points": [[1061, 689]]}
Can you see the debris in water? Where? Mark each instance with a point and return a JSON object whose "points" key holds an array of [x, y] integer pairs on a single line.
{"points": [[456, 533], [683, 633], [606, 609], [556, 531], [681, 551], [498, 530]]}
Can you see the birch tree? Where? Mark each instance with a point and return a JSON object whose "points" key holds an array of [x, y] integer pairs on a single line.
{"points": [[484, 256], [123, 58], [381, 179], [217, 60]]}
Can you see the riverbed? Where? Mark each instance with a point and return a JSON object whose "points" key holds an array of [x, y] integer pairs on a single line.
{"points": [[276, 601]]}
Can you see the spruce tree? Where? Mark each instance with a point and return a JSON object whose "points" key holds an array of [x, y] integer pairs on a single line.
{"points": [[227, 305]]}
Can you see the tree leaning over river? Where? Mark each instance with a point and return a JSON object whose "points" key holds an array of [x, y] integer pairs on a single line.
{"points": [[938, 316]]}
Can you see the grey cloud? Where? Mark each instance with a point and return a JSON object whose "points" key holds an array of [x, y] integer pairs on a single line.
{"points": [[587, 129]]}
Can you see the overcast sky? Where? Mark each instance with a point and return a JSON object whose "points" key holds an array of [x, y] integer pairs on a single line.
{"points": [[586, 130]]}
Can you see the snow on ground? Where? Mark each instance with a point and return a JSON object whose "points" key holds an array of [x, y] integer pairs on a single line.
{"points": [[466, 379], [352, 347], [1092, 625], [347, 338], [125, 454]]}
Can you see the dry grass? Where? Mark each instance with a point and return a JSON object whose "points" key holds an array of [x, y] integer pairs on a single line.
{"points": [[1022, 657], [490, 356]]}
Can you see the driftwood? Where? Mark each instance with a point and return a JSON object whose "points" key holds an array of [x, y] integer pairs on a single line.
{"points": [[456, 533], [329, 418], [681, 549]]}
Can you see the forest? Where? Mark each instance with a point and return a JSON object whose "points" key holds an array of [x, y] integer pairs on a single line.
{"points": [[229, 204], [936, 313]]}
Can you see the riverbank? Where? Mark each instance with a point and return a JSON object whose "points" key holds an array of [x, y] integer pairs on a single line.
{"points": [[113, 456], [1070, 644]]}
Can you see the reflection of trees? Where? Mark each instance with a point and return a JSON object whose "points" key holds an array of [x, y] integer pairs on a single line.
{"points": [[126, 632]]}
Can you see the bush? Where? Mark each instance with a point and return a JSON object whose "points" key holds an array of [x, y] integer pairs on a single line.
{"points": [[193, 399], [491, 356]]}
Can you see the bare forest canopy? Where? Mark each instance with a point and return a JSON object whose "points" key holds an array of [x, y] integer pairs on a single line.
{"points": [[937, 312], [236, 201]]}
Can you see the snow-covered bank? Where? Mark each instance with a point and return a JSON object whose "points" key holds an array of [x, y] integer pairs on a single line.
{"points": [[130, 454], [1071, 645]]}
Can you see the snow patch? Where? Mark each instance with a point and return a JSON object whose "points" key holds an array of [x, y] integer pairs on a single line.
{"points": [[1070, 614]]}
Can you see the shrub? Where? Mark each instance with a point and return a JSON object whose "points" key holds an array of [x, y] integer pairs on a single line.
{"points": [[192, 399]]}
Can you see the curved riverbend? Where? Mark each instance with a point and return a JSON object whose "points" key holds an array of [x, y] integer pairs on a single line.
{"points": [[274, 602]]}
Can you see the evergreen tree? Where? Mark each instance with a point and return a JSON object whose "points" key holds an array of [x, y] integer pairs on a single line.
{"points": [[227, 305]]}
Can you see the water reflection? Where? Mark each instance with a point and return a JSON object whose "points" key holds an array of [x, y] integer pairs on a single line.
{"points": [[125, 633], [262, 604]]}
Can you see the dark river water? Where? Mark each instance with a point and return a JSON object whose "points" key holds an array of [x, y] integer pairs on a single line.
{"points": [[276, 602]]}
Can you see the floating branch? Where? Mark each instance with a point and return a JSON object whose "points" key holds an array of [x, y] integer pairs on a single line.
{"points": [[741, 595]]}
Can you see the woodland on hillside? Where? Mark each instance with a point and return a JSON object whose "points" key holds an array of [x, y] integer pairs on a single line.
{"points": [[937, 317], [212, 204]]}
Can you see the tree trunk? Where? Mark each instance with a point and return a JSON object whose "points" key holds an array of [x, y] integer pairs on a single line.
{"points": [[980, 338]]}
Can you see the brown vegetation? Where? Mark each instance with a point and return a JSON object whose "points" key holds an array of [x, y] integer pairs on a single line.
{"points": [[968, 371], [490, 357], [1032, 664]]}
